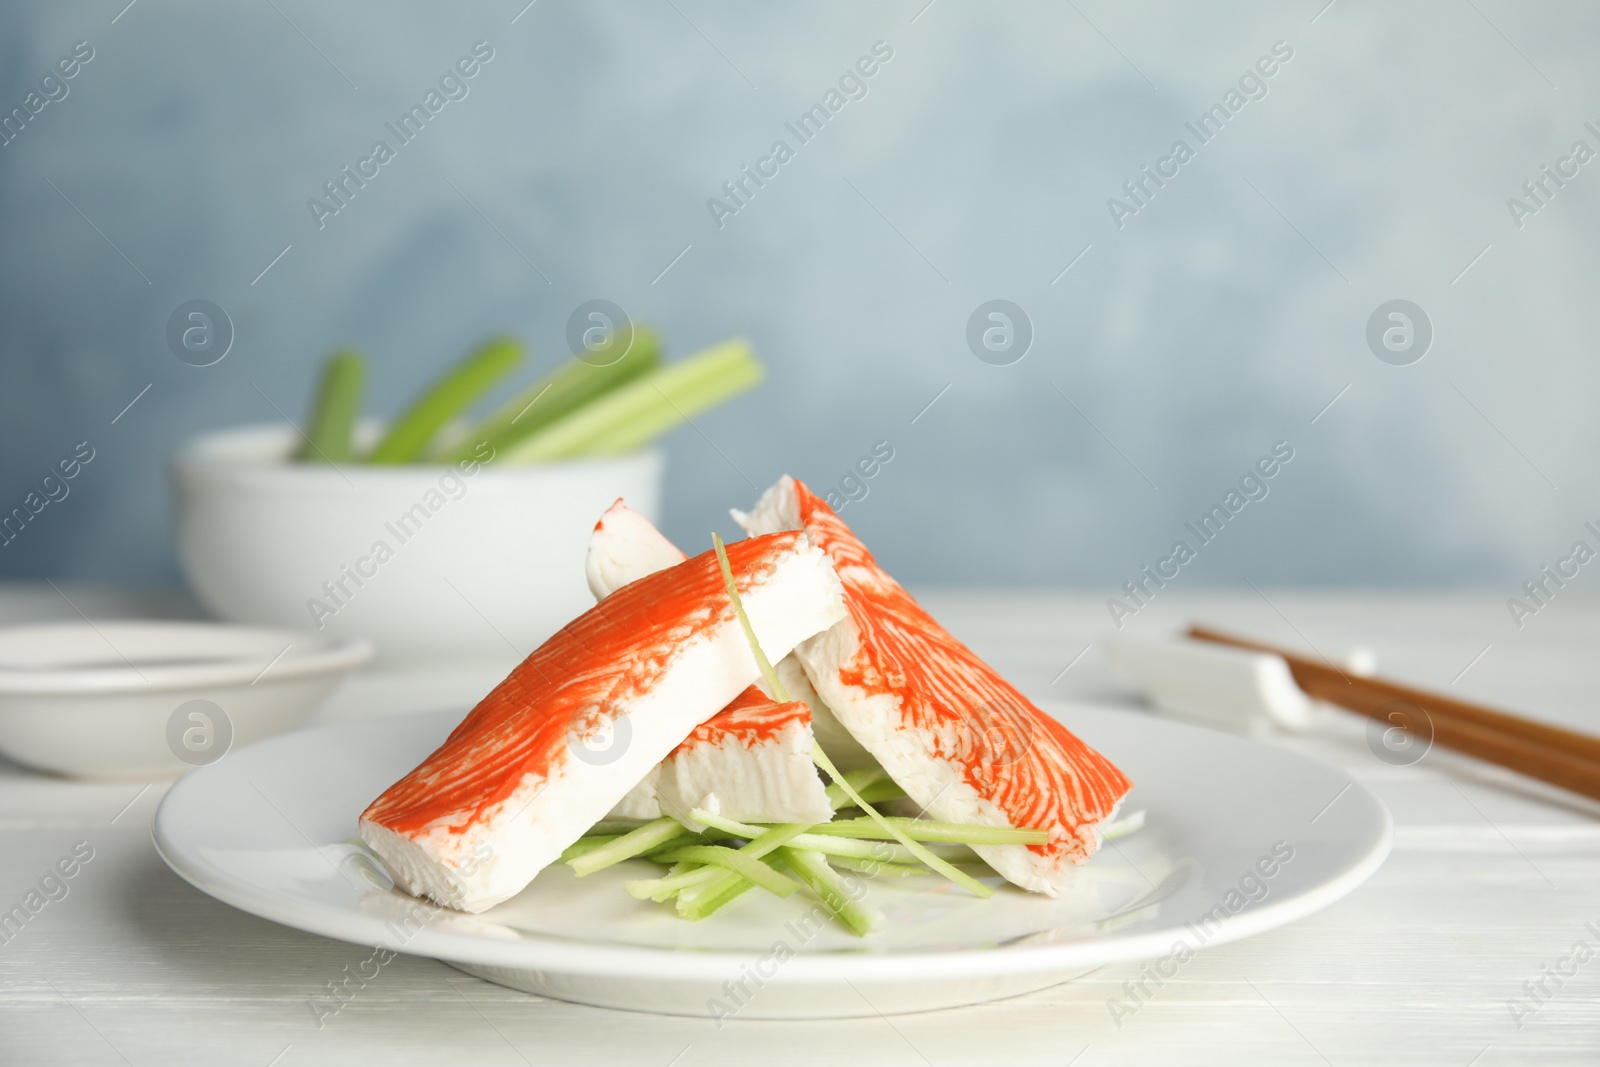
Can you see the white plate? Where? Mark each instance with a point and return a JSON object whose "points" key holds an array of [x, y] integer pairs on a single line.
{"points": [[144, 699], [271, 830]]}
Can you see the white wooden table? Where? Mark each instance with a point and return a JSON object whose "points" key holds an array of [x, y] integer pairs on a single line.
{"points": [[1492, 880]]}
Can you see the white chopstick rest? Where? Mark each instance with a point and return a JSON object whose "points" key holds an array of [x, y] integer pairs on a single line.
{"points": [[1231, 688]]}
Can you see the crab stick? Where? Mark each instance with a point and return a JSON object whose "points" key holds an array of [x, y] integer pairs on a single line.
{"points": [[522, 777], [961, 741], [752, 760]]}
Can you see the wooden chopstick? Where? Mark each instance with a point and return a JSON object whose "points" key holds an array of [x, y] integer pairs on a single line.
{"points": [[1552, 754]]}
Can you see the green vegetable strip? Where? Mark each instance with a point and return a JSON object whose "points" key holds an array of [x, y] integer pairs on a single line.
{"points": [[876, 851], [885, 790], [706, 875], [866, 851], [960, 878], [682, 840], [862, 779], [613, 826], [874, 868], [585, 845], [559, 394], [869, 781], [779, 693], [702, 903], [928, 830], [772, 837], [740, 863], [705, 380], [826, 884], [338, 405], [762, 841], [830, 846], [679, 878], [749, 831], [705, 902], [411, 433], [649, 836], [633, 414], [717, 877], [678, 869]]}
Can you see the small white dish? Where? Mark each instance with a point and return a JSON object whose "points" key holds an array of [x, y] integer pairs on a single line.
{"points": [[121, 699], [430, 560], [273, 833]]}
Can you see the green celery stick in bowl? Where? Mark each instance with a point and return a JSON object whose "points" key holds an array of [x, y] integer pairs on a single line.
{"points": [[611, 402], [411, 433], [563, 391], [633, 414], [337, 406]]}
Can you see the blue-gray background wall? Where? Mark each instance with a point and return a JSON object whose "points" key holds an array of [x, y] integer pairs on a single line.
{"points": [[1221, 318]]}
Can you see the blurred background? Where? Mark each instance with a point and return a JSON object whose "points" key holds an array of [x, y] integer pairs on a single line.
{"points": [[1174, 340]]}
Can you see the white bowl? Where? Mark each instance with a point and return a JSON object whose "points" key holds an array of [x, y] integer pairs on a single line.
{"points": [[118, 699], [423, 560]]}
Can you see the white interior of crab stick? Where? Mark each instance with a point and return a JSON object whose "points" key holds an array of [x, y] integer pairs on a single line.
{"points": [[752, 760]]}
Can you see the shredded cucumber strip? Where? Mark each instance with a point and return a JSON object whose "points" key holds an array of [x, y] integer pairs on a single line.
{"points": [[873, 868], [680, 877], [929, 830], [873, 783], [882, 850], [702, 903], [730, 886], [737, 861], [774, 686], [923, 855], [865, 851], [614, 826], [825, 882], [878, 791], [585, 845], [651, 835], [762, 840], [768, 838], [683, 840], [749, 831]]}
